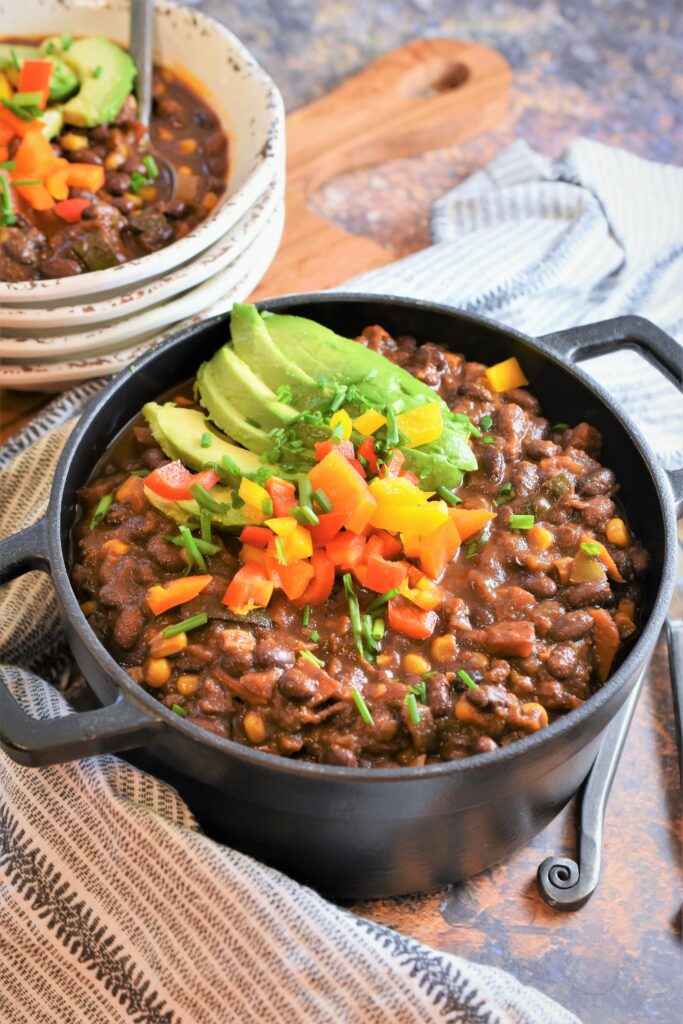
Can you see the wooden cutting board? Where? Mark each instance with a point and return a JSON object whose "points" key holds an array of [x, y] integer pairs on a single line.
{"points": [[426, 95]]}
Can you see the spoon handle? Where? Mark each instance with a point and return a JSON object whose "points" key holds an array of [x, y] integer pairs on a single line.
{"points": [[141, 29]]}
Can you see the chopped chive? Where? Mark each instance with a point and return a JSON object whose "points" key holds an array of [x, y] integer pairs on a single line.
{"points": [[204, 546], [322, 500], [467, 679], [519, 522], [27, 99], [305, 489], [460, 417], [177, 710], [50, 48], [362, 707], [338, 398], [140, 472], [15, 59], [206, 439], [392, 427], [472, 548], [284, 394], [383, 599], [413, 711], [8, 216], [32, 181], [315, 636], [190, 545], [354, 614], [485, 422], [559, 428], [378, 629], [280, 551], [186, 625], [97, 73], [488, 439], [306, 617], [591, 548], [309, 656], [205, 525], [420, 689], [506, 493], [137, 180], [267, 506], [8, 165], [66, 40], [449, 496], [204, 499], [254, 423], [100, 512], [304, 515], [150, 166], [236, 500], [230, 465], [366, 629]]}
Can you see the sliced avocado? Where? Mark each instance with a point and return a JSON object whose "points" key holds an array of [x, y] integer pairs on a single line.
{"points": [[225, 415], [63, 81], [254, 345], [247, 392], [106, 73], [188, 511], [179, 432]]}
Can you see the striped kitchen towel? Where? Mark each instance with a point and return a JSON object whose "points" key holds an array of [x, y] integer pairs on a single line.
{"points": [[114, 907]]}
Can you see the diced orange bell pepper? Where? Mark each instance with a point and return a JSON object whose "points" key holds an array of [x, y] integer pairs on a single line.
{"points": [[186, 588], [56, 185], [329, 526], [408, 619], [387, 546], [469, 521], [16, 125], [87, 176], [35, 77], [605, 641], [250, 553], [35, 157], [249, 588], [346, 549], [282, 494], [438, 548], [37, 196], [293, 579], [320, 587], [381, 575], [347, 491]]}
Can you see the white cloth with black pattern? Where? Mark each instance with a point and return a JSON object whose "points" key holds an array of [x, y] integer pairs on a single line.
{"points": [[114, 907]]}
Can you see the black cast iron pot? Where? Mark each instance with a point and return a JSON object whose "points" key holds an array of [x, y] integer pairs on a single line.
{"points": [[357, 832]]}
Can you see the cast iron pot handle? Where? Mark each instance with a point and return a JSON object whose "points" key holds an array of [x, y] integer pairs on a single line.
{"points": [[579, 343], [31, 741], [567, 884]]}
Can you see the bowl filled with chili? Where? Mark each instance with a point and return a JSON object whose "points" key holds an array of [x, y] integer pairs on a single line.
{"points": [[372, 621], [87, 209]]}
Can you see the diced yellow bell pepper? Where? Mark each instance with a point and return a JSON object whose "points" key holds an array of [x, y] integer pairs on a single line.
{"points": [[425, 595], [342, 416], [506, 375], [6, 91], [369, 422], [283, 526], [411, 544], [421, 424], [396, 490], [415, 518], [253, 494], [298, 544]]}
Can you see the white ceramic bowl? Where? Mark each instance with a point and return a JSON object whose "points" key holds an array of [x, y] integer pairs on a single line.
{"points": [[235, 86]]}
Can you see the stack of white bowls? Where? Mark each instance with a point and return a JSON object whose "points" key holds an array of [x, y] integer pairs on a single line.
{"points": [[55, 333]]}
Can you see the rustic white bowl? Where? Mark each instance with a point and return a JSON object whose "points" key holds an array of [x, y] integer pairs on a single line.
{"points": [[222, 69]]}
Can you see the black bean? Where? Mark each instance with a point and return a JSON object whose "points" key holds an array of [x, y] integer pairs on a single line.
{"points": [[540, 449], [491, 463], [117, 182], [522, 398], [473, 390], [572, 626], [598, 481], [484, 744], [297, 685], [60, 266], [439, 694], [595, 512], [525, 479], [561, 661], [539, 584], [582, 594]]}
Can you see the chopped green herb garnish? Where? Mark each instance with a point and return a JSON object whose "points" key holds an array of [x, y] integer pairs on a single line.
{"points": [[472, 548], [323, 501], [8, 215], [204, 499], [460, 417], [559, 428], [315, 636], [206, 439], [137, 180], [306, 617], [485, 422], [140, 472], [383, 599], [354, 614], [204, 546], [194, 622], [8, 165], [338, 398], [449, 496], [419, 690], [254, 423], [362, 707], [304, 515], [392, 427], [467, 679], [280, 551], [32, 181], [591, 548], [66, 40], [15, 59], [337, 433], [190, 545], [378, 628], [50, 48], [150, 166], [284, 394], [267, 506], [28, 99], [413, 711], [488, 439], [366, 628], [100, 512], [309, 656], [506, 493], [205, 525], [97, 73], [26, 113], [519, 522], [305, 489], [236, 500], [177, 710]]}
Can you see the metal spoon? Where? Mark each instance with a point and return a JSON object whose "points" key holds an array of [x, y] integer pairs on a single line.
{"points": [[141, 39]]}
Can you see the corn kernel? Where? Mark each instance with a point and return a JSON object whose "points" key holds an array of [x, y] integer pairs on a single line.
{"points": [[185, 169], [162, 646], [157, 672], [342, 417], [187, 685], [147, 193], [539, 539], [444, 648], [617, 533], [72, 142], [134, 200], [209, 200], [254, 727], [537, 715], [88, 607], [467, 713], [477, 659], [113, 160], [164, 135], [115, 547], [188, 145], [416, 664]]}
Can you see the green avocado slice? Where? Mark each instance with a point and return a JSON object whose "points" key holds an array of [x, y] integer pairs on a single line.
{"points": [[225, 415], [247, 392], [106, 74], [179, 433], [187, 512], [254, 345], [63, 81]]}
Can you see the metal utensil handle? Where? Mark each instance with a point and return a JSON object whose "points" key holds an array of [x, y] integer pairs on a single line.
{"points": [[141, 31], [567, 884], [674, 636], [661, 350], [32, 741]]}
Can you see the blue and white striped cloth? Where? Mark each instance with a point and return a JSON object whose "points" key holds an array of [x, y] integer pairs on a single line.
{"points": [[543, 246]]}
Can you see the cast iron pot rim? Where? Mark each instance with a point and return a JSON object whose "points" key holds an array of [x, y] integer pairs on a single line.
{"points": [[276, 762]]}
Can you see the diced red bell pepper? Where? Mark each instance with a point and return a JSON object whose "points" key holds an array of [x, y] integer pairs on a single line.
{"points": [[393, 466], [173, 481], [35, 77], [381, 575], [410, 477], [358, 466], [368, 451], [345, 448], [293, 579], [71, 210], [282, 494], [329, 526], [249, 588], [320, 587], [257, 536], [383, 544], [346, 549], [406, 618]]}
